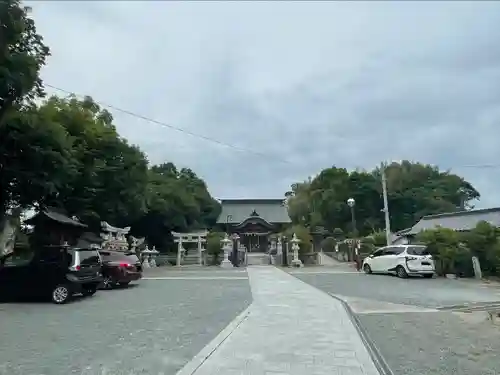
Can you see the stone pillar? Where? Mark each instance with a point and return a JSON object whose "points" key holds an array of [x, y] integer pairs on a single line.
{"points": [[179, 251]]}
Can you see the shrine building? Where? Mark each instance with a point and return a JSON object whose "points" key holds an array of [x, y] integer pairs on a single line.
{"points": [[254, 220]]}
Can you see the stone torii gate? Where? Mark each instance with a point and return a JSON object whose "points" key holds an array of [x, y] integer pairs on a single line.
{"points": [[193, 237]]}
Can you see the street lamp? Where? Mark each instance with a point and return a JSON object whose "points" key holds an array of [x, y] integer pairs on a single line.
{"points": [[351, 203]]}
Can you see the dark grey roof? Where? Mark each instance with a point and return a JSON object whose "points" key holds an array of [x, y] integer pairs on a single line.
{"points": [[460, 221], [56, 216], [271, 210]]}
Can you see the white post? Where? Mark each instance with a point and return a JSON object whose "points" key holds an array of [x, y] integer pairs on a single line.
{"points": [[179, 251], [200, 253], [226, 246], [386, 207], [279, 247], [296, 262]]}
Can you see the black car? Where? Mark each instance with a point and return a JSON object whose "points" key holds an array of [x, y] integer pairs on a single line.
{"points": [[57, 272]]}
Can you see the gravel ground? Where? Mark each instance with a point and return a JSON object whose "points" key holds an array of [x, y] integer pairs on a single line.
{"points": [[418, 343], [429, 293], [435, 343], [153, 328]]}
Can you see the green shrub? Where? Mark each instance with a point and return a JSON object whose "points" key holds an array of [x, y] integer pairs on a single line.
{"points": [[328, 244]]}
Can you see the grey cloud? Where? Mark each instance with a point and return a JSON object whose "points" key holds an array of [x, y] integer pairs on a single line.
{"points": [[316, 84]]}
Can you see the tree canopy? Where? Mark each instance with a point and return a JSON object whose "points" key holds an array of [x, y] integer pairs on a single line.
{"points": [[67, 152], [414, 190]]}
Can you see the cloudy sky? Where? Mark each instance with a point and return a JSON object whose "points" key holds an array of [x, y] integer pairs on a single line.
{"points": [[294, 87]]}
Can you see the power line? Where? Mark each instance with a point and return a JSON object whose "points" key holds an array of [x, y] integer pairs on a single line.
{"points": [[216, 141], [172, 127]]}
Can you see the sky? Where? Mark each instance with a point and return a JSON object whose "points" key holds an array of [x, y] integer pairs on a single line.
{"points": [[293, 87]]}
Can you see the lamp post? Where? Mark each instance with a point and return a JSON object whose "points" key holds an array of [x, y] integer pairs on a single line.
{"points": [[235, 238], [351, 203]]}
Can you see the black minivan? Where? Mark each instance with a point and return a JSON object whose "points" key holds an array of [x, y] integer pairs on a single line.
{"points": [[57, 272]]}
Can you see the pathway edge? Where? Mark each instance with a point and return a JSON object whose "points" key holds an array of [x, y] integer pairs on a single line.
{"points": [[197, 361]]}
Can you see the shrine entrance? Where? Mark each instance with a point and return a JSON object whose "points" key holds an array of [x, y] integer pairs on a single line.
{"points": [[254, 234], [195, 237]]}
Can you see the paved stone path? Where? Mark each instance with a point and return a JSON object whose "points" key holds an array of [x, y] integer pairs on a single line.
{"points": [[291, 328]]}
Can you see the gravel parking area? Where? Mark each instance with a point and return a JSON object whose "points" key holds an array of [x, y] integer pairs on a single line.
{"points": [[416, 343], [429, 293], [441, 343], [152, 328]]}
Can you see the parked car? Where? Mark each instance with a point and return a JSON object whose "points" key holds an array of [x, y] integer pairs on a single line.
{"points": [[57, 272], [119, 268], [402, 260]]}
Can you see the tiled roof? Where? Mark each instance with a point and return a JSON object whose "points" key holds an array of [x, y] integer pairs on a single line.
{"points": [[59, 217], [460, 221], [271, 210]]}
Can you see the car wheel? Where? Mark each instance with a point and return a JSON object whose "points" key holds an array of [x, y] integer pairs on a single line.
{"points": [[401, 272], [428, 275], [89, 290], [124, 283], [61, 294], [367, 269], [107, 282]]}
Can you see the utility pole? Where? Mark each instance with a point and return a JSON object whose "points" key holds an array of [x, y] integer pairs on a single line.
{"points": [[386, 207]]}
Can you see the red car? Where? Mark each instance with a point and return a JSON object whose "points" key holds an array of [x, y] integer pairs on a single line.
{"points": [[119, 268]]}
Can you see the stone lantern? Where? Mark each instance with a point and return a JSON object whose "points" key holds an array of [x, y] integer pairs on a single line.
{"points": [[226, 246], [296, 262]]}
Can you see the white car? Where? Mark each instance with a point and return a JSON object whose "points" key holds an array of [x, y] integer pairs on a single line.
{"points": [[403, 260]]}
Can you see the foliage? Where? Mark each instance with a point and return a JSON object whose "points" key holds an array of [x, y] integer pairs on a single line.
{"points": [[110, 176], [483, 241], [338, 234], [36, 158], [453, 250], [214, 246], [303, 235], [367, 245], [414, 190], [379, 238], [328, 244], [23, 54], [175, 200]]}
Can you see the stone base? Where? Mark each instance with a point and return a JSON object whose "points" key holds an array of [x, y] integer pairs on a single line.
{"points": [[226, 264], [297, 263]]}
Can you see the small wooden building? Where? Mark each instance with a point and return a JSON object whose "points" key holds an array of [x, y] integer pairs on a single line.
{"points": [[52, 227]]}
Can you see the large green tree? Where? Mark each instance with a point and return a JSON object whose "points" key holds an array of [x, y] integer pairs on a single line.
{"points": [[414, 190], [110, 177], [22, 55], [177, 200], [35, 158]]}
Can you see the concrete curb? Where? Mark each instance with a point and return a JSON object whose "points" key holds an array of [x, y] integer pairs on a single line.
{"points": [[378, 360], [194, 364]]}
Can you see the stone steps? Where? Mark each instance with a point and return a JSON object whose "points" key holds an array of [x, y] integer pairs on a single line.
{"points": [[257, 259]]}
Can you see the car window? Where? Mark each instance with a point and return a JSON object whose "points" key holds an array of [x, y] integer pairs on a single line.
{"points": [[88, 257], [18, 259], [378, 252], [417, 250], [394, 250]]}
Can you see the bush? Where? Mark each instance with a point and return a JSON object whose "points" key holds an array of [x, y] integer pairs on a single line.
{"points": [[328, 244], [379, 239], [338, 234], [303, 235], [214, 246]]}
